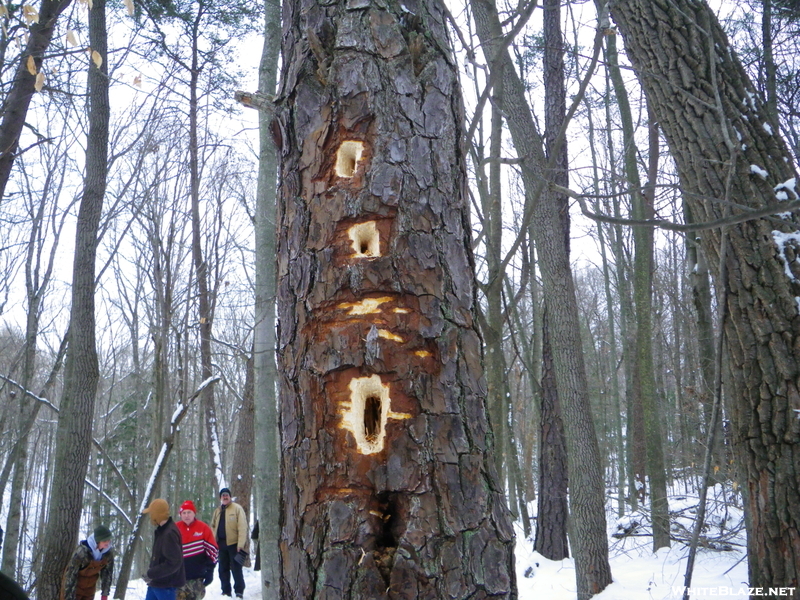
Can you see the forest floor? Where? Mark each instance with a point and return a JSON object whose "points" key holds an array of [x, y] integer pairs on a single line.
{"points": [[639, 574]]}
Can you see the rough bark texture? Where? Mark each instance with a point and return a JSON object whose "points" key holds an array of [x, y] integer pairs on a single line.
{"points": [[717, 129], [551, 522], [81, 372], [389, 490]]}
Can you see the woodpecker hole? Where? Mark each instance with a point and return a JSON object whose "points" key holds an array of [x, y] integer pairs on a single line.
{"points": [[366, 414], [347, 158], [372, 418], [366, 239]]}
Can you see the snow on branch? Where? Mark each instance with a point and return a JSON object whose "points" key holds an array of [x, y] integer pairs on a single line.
{"points": [[111, 501], [96, 443], [29, 393], [177, 416]]}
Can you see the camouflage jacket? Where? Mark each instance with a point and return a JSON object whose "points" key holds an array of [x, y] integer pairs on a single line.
{"points": [[83, 572]]}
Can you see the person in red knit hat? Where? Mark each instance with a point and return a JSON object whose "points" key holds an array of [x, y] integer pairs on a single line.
{"points": [[199, 553]]}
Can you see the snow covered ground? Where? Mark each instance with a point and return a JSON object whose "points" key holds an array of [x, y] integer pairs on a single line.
{"points": [[638, 575]]}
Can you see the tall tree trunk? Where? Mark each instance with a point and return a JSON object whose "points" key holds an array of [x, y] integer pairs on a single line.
{"points": [[551, 524], [496, 397], [701, 298], [205, 302], [587, 490], [265, 374], [725, 148], [643, 303], [81, 373], [621, 462], [646, 434], [770, 69], [389, 486]]}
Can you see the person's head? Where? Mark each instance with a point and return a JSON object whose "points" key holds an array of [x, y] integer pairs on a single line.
{"points": [[225, 496], [158, 511], [102, 537], [188, 512]]}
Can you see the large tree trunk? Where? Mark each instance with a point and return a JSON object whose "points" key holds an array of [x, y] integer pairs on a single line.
{"points": [[267, 455], [551, 523], [643, 301], [587, 490], [81, 372], [205, 299], [725, 148], [389, 488]]}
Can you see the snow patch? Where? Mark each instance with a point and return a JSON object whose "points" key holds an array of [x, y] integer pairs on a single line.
{"points": [[756, 170], [781, 239], [767, 128], [790, 185]]}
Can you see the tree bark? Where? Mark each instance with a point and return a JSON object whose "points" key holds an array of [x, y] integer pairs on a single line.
{"points": [[81, 372], [205, 300], [267, 454], [551, 523], [726, 149], [389, 488]]}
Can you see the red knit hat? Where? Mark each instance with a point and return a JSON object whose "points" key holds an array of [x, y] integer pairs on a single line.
{"points": [[188, 505]]}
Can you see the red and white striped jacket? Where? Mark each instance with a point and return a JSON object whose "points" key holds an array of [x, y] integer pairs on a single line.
{"points": [[199, 548]]}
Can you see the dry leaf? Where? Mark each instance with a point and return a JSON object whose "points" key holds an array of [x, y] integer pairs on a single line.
{"points": [[39, 82], [137, 81], [96, 58], [3, 10], [71, 39], [31, 16], [91, 5], [129, 6], [31, 65]]}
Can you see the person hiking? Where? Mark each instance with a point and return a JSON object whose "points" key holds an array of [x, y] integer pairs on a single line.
{"points": [[199, 553], [165, 574], [93, 559], [230, 526]]}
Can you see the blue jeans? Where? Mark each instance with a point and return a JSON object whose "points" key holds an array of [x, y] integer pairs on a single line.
{"points": [[154, 593], [227, 564]]}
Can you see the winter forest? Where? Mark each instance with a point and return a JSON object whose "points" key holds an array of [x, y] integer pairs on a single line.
{"points": [[491, 299]]}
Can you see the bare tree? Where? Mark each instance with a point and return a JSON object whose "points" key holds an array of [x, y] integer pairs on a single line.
{"points": [[587, 511], [81, 370]]}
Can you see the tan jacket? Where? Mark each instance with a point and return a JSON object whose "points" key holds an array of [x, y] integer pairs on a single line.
{"points": [[236, 525]]}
